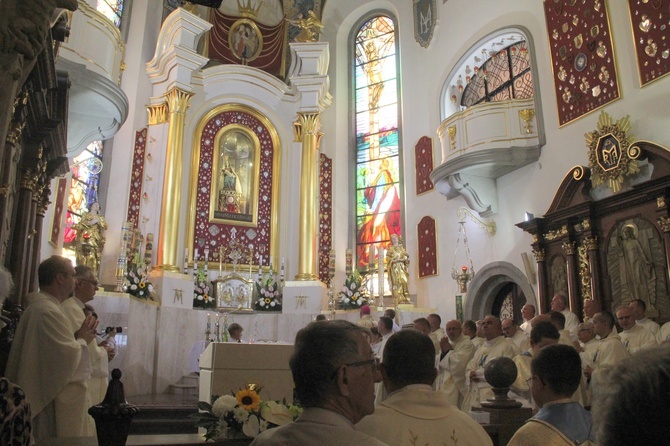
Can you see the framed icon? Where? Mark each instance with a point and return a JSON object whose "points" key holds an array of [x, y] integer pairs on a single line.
{"points": [[245, 40]]}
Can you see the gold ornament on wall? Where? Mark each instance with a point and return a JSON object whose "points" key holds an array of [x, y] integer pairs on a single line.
{"points": [[611, 156]]}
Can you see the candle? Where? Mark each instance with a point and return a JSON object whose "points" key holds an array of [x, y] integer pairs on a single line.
{"points": [[206, 262], [331, 264], [220, 261], [371, 255], [185, 260], [209, 324], [380, 272], [206, 255], [195, 256]]}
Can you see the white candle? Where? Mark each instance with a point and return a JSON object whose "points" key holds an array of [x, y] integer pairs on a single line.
{"points": [[380, 272], [371, 254], [195, 256], [206, 255]]}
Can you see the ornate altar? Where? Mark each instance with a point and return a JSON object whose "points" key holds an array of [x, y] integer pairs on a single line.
{"points": [[233, 292], [606, 235]]}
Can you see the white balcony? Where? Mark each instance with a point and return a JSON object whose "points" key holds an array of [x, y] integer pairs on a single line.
{"points": [[93, 57], [483, 143]]}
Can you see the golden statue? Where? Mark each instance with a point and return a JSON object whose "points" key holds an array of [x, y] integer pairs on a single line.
{"points": [[310, 27], [90, 239], [397, 260]]}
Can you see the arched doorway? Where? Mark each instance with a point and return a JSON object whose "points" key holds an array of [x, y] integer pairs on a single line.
{"points": [[498, 287]]}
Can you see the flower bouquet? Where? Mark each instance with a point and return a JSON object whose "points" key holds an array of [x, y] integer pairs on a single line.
{"points": [[243, 414], [201, 292], [136, 281], [354, 294], [269, 294]]}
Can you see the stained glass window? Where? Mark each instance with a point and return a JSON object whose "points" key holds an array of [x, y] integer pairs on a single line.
{"points": [[112, 9], [378, 207], [85, 170]]}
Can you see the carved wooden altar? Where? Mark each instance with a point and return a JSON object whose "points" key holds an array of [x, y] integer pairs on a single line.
{"points": [[611, 246]]}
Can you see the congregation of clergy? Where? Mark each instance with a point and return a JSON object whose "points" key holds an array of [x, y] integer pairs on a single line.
{"points": [[374, 382]]}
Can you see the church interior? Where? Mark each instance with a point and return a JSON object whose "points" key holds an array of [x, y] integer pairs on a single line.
{"points": [[251, 162]]}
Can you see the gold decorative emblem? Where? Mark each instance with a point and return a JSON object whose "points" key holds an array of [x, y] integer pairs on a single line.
{"points": [[611, 157]]}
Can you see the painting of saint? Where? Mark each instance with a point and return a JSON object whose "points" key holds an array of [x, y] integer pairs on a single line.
{"points": [[234, 194], [245, 40]]}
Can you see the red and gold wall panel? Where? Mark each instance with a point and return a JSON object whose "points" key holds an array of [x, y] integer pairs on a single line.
{"points": [[325, 216], [582, 56], [137, 177], [427, 236], [423, 159], [651, 31]]}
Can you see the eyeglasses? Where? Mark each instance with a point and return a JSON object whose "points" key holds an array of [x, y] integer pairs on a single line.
{"points": [[373, 362], [95, 283], [532, 378]]}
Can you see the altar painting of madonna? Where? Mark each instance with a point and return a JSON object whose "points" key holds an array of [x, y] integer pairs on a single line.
{"points": [[234, 193]]}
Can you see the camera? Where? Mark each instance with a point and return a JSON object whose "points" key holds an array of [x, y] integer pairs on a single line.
{"points": [[109, 329]]}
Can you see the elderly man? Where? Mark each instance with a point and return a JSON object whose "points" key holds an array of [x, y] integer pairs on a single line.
{"points": [[456, 350], [591, 307], [86, 285], [365, 318], [556, 372], [494, 347], [414, 413], [527, 313], [608, 354], [334, 372], [50, 360], [639, 309], [560, 303], [633, 336], [436, 331], [514, 334]]}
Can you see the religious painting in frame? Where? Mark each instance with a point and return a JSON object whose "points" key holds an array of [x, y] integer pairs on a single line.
{"points": [[582, 55], [649, 20], [427, 236], [425, 19], [235, 174], [59, 207], [423, 165], [245, 40]]}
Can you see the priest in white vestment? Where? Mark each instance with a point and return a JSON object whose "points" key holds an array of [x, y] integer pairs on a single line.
{"points": [[46, 346], [560, 303], [514, 334], [608, 353], [494, 347], [385, 328], [456, 350], [414, 413], [639, 309], [436, 330], [527, 313], [633, 336]]}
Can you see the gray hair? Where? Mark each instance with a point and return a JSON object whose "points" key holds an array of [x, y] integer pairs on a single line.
{"points": [[320, 349], [640, 382], [82, 271], [6, 283]]}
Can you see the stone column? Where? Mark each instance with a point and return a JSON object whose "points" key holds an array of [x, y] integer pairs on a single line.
{"points": [[306, 130], [177, 104]]}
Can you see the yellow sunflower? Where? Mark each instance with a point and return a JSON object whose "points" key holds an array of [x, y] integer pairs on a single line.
{"points": [[248, 399]]}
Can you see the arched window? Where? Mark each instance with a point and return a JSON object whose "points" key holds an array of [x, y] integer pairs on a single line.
{"points": [[496, 69], [112, 9], [377, 150]]}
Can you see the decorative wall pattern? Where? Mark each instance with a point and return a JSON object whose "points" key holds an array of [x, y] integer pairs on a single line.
{"points": [[651, 27], [427, 235], [423, 164], [208, 234], [325, 216], [137, 177], [582, 55]]}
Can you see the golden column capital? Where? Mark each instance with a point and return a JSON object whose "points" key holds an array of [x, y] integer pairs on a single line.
{"points": [[307, 130], [539, 254], [177, 102], [664, 223], [157, 114], [569, 248]]}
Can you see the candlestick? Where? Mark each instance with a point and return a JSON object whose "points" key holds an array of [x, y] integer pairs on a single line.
{"points": [[220, 261], [206, 263], [349, 257], [209, 323], [371, 256], [331, 264], [380, 273], [185, 260]]}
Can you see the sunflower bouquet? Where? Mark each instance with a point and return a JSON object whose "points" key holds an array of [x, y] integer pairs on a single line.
{"points": [[243, 414], [202, 297], [136, 281], [354, 294], [268, 294]]}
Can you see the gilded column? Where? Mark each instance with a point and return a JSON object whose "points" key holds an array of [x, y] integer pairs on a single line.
{"points": [[573, 275], [541, 278], [664, 223], [591, 245], [306, 130], [177, 104]]}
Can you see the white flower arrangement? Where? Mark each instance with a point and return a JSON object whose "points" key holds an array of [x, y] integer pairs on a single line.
{"points": [[354, 294]]}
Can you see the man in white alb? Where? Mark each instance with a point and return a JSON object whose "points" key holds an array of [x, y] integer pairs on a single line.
{"points": [[456, 350], [527, 313], [560, 303], [639, 309], [633, 336], [609, 352], [514, 334]]}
